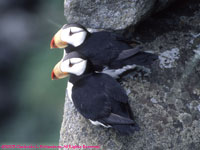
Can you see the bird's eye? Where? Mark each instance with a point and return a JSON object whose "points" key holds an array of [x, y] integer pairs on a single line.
{"points": [[70, 33], [70, 64]]}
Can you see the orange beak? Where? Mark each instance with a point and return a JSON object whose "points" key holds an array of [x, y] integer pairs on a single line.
{"points": [[56, 41], [57, 73], [53, 76], [52, 44]]}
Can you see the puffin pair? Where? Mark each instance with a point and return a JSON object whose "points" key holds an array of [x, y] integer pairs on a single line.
{"points": [[87, 57], [108, 52], [96, 96]]}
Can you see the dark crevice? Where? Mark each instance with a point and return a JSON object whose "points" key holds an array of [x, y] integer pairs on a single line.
{"points": [[167, 20]]}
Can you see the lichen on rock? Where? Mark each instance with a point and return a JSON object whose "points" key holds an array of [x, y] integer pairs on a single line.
{"points": [[168, 58]]}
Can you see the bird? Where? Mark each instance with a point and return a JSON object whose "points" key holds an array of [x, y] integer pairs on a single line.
{"points": [[96, 96], [107, 51]]}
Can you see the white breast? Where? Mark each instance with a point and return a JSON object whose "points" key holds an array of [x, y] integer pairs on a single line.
{"points": [[69, 90]]}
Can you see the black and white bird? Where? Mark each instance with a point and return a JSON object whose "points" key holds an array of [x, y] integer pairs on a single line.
{"points": [[107, 51], [96, 96]]}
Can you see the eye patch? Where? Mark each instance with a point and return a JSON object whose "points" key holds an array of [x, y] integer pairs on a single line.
{"points": [[71, 33]]}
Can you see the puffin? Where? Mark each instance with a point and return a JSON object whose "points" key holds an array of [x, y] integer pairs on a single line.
{"points": [[96, 96], [107, 51]]}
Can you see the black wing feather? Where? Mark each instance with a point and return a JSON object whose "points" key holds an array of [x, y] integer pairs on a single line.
{"points": [[128, 53], [114, 119], [90, 100], [115, 91]]}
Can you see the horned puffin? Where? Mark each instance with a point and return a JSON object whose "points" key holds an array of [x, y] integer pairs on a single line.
{"points": [[96, 96], [107, 51]]}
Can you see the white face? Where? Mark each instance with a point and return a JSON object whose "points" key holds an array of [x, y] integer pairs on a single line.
{"points": [[73, 35], [75, 66]]}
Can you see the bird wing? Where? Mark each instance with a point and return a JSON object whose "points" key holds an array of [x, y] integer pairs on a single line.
{"points": [[113, 89], [129, 52], [117, 119], [102, 48], [90, 99]]}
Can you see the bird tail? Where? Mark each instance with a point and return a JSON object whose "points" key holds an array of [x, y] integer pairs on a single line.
{"points": [[126, 129], [136, 58], [124, 125], [142, 59]]}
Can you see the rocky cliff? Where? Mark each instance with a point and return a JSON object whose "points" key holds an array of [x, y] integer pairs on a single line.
{"points": [[111, 14], [165, 99]]}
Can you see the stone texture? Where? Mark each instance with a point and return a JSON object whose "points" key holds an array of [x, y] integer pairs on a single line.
{"points": [[166, 101], [107, 14], [111, 14]]}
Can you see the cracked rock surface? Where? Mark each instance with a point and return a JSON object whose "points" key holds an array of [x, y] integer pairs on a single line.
{"points": [[166, 101]]}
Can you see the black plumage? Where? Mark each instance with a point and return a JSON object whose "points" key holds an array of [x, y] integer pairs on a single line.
{"points": [[99, 97], [108, 49]]}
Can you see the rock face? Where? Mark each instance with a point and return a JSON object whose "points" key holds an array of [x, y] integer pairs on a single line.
{"points": [[161, 4], [166, 101], [110, 14]]}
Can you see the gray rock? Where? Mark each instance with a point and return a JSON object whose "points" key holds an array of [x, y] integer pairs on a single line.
{"points": [[166, 103], [110, 14]]}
